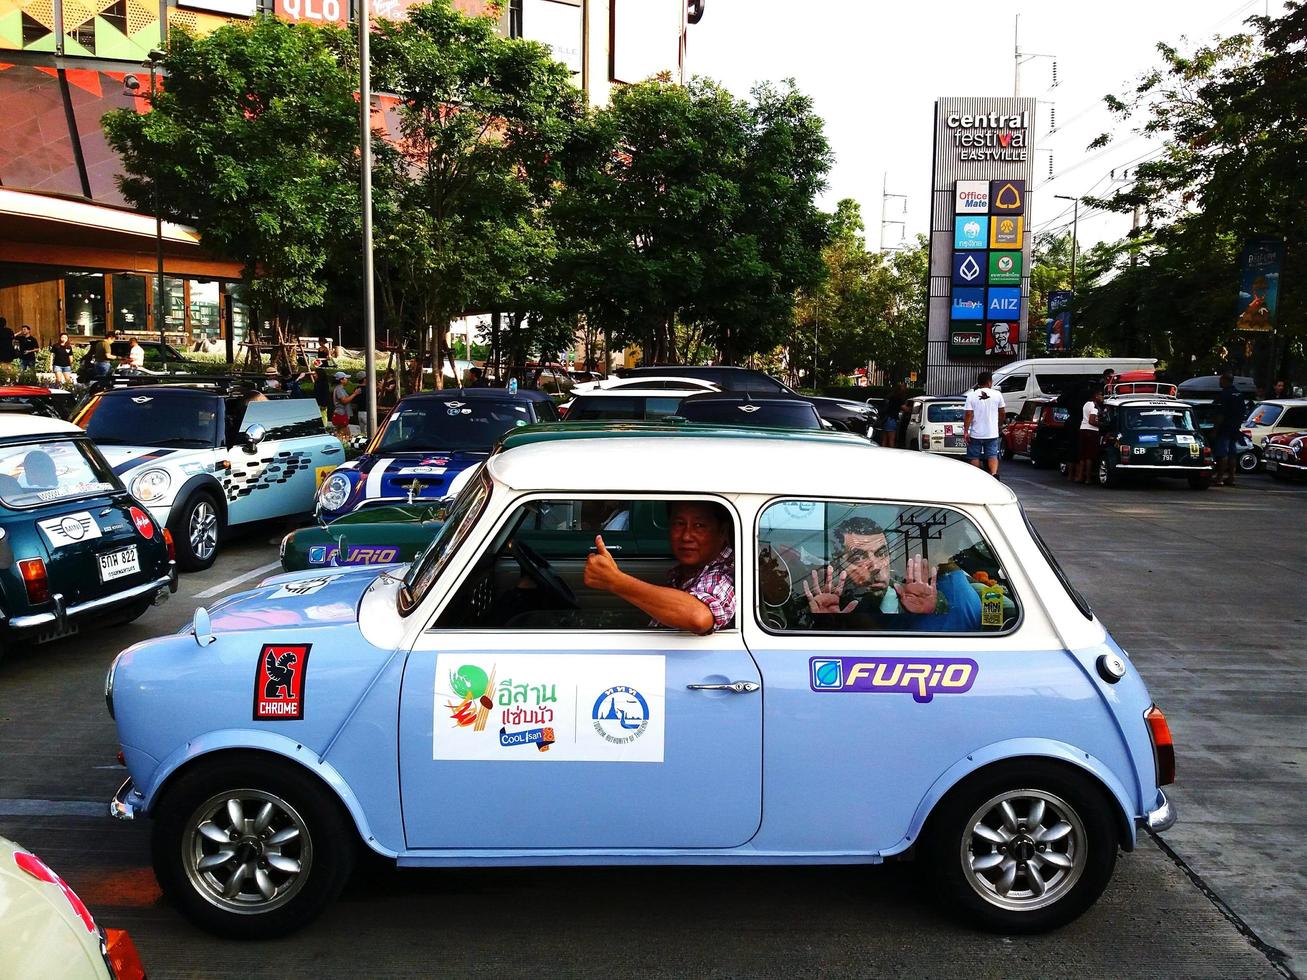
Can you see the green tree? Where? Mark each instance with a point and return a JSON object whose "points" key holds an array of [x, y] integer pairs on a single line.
{"points": [[464, 220], [251, 139], [1233, 166], [685, 205]]}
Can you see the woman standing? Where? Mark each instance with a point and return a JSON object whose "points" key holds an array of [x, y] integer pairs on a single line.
{"points": [[61, 358]]}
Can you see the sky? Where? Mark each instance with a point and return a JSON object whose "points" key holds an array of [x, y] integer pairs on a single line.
{"points": [[874, 69]]}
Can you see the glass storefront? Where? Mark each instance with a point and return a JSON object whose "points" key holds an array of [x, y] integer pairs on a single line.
{"points": [[204, 310], [130, 305], [84, 303], [174, 308]]}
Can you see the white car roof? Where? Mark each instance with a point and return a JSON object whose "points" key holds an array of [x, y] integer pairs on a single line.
{"points": [[793, 465], [33, 425], [643, 382], [688, 388]]}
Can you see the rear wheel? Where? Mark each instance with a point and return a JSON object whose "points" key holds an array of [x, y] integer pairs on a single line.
{"points": [[1023, 847], [251, 850], [1200, 481], [1107, 474], [196, 530]]}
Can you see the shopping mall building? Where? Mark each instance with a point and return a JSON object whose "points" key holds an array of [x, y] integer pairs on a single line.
{"points": [[75, 257]]}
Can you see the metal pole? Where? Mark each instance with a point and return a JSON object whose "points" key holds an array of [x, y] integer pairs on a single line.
{"points": [[1075, 227], [365, 129], [158, 226], [1016, 57]]}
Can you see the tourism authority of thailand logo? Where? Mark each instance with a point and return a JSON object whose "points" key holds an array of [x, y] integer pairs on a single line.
{"points": [[621, 715]]}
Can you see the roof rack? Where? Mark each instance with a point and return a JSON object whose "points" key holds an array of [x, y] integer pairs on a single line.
{"points": [[221, 382], [1161, 388]]}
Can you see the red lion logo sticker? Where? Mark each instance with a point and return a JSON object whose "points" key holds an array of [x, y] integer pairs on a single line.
{"points": [[279, 681]]}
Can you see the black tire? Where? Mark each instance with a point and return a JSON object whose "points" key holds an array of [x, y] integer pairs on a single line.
{"points": [[1248, 461], [133, 612], [328, 844], [1200, 481], [192, 556], [1105, 471], [1088, 848], [1007, 451]]}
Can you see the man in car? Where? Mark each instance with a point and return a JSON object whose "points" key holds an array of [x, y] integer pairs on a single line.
{"points": [[857, 591], [700, 594]]}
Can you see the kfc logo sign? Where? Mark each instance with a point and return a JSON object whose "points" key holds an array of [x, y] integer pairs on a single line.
{"points": [[314, 11]]}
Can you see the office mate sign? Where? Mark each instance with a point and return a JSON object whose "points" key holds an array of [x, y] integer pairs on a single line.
{"points": [[549, 708]]}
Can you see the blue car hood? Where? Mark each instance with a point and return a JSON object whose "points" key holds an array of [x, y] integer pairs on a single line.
{"points": [[392, 475], [296, 599]]}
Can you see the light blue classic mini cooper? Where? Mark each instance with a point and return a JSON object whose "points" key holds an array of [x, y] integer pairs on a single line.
{"points": [[891, 665]]}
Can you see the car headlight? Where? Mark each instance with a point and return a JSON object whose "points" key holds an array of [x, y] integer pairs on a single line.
{"points": [[151, 485], [1295, 446], [335, 491]]}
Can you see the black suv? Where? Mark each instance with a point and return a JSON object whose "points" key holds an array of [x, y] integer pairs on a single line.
{"points": [[727, 408], [845, 414]]}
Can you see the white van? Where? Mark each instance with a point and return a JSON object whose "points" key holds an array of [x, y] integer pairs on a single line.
{"points": [[1022, 380]]}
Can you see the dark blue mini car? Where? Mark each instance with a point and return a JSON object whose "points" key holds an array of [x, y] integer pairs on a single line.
{"points": [[74, 545], [426, 444]]}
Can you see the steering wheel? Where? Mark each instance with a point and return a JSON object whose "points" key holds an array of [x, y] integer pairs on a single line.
{"points": [[537, 569]]}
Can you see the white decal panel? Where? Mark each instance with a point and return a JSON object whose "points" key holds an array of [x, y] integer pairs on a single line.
{"points": [[70, 529], [303, 587], [549, 708]]}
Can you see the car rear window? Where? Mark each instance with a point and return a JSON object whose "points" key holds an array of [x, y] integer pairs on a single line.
{"points": [[948, 412], [780, 416], [634, 408], [42, 472]]}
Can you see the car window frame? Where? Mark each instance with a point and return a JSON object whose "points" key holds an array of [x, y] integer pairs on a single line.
{"points": [[1007, 631], [94, 458], [521, 500], [1025, 384], [407, 608]]}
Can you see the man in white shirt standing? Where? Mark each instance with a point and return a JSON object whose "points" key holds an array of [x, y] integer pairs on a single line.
{"points": [[981, 417]]}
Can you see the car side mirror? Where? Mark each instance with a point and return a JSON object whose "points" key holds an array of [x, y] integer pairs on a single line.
{"points": [[202, 627], [254, 435], [6, 551]]}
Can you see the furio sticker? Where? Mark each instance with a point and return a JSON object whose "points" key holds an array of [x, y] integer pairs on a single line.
{"points": [[922, 677], [144, 525], [570, 708], [70, 528], [359, 554], [279, 681]]}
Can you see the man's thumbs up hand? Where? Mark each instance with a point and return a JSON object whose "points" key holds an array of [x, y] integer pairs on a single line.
{"points": [[601, 572]]}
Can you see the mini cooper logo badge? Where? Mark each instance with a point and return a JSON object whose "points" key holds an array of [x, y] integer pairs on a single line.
{"points": [[747, 408], [142, 399], [72, 527], [455, 404]]}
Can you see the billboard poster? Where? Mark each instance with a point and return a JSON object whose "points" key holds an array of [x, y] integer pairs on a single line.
{"points": [[1005, 268], [1058, 326], [966, 340], [1259, 284], [969, 268], [1001, 338], [970, 231]]}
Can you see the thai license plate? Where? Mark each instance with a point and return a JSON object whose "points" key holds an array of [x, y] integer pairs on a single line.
{"points": [[118, 564], [1166, 455]]}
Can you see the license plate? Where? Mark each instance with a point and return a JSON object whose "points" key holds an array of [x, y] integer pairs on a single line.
{"points": [[1166, 455], [118, 564]]}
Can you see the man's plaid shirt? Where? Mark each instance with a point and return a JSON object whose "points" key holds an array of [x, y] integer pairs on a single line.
{"points": [[713, 585]]}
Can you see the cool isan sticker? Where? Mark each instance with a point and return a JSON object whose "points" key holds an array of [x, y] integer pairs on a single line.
{"points": [[922, 677], [279, 681]]}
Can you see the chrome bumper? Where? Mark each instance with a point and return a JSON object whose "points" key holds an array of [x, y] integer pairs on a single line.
{"points": [[1163, 818], [168, 582], [127, 802]]}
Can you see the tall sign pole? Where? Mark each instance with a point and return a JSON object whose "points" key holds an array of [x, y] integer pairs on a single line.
{"points": [[365, 136]]}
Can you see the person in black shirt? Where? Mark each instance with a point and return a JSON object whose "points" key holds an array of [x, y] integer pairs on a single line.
{"points": [[61, 358], [6, 341], [27, 346], [1230, 413], [893, 406]]}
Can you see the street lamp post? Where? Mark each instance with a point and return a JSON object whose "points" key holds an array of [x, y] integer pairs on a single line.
{"points": [[365, 193], [1075, 227], [132, 84]]}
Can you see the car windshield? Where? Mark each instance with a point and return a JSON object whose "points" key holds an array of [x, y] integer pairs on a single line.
{"points": [[450, 424], [1265, 414], [948, 412], [462, 517], [780, 416], [152, 418], [1171, 419], [37, 473]]}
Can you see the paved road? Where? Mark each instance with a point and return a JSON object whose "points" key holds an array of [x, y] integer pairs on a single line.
{"points": [[1206, 592]]}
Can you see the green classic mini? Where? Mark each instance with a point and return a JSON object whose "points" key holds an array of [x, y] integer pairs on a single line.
{"points": [[1151, 436], [75, 547]]}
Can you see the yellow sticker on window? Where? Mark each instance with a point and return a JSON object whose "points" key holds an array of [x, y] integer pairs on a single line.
{"points": [[991, 606]]}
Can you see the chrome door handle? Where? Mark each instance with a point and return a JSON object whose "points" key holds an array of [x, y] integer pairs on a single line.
{"points": [[736, 687]]}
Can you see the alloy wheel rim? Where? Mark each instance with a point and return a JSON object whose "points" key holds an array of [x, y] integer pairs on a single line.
{"points": [[247, 851], [1024, 850], [203, 530]]}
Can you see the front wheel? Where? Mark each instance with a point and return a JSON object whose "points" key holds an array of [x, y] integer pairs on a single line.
{"points": [[195, 532], [1024, 847], [251, 850], [1248, 461]]}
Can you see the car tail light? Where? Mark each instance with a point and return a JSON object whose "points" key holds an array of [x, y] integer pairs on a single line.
{"points": [[37, 868], [34, 577], [1207, 452], [1163, 749], [1125, 451], [120, 952], [172, 548]]}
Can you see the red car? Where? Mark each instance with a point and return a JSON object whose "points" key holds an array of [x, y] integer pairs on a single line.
{"points": [[1042, 431], [1285, 454]]}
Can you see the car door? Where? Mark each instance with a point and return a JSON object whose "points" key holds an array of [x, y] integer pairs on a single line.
{"points": [[279, 476], [576, 738]]}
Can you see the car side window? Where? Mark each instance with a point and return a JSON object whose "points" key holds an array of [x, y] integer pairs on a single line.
{"points": [[878, 567], [1013, 382], [1295, 418], [532, 573], [1029, 410]]}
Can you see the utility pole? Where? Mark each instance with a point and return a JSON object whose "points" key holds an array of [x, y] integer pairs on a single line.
{"points": [[365, 130], [885, 195], [1020, 57], [1075, 227]]}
